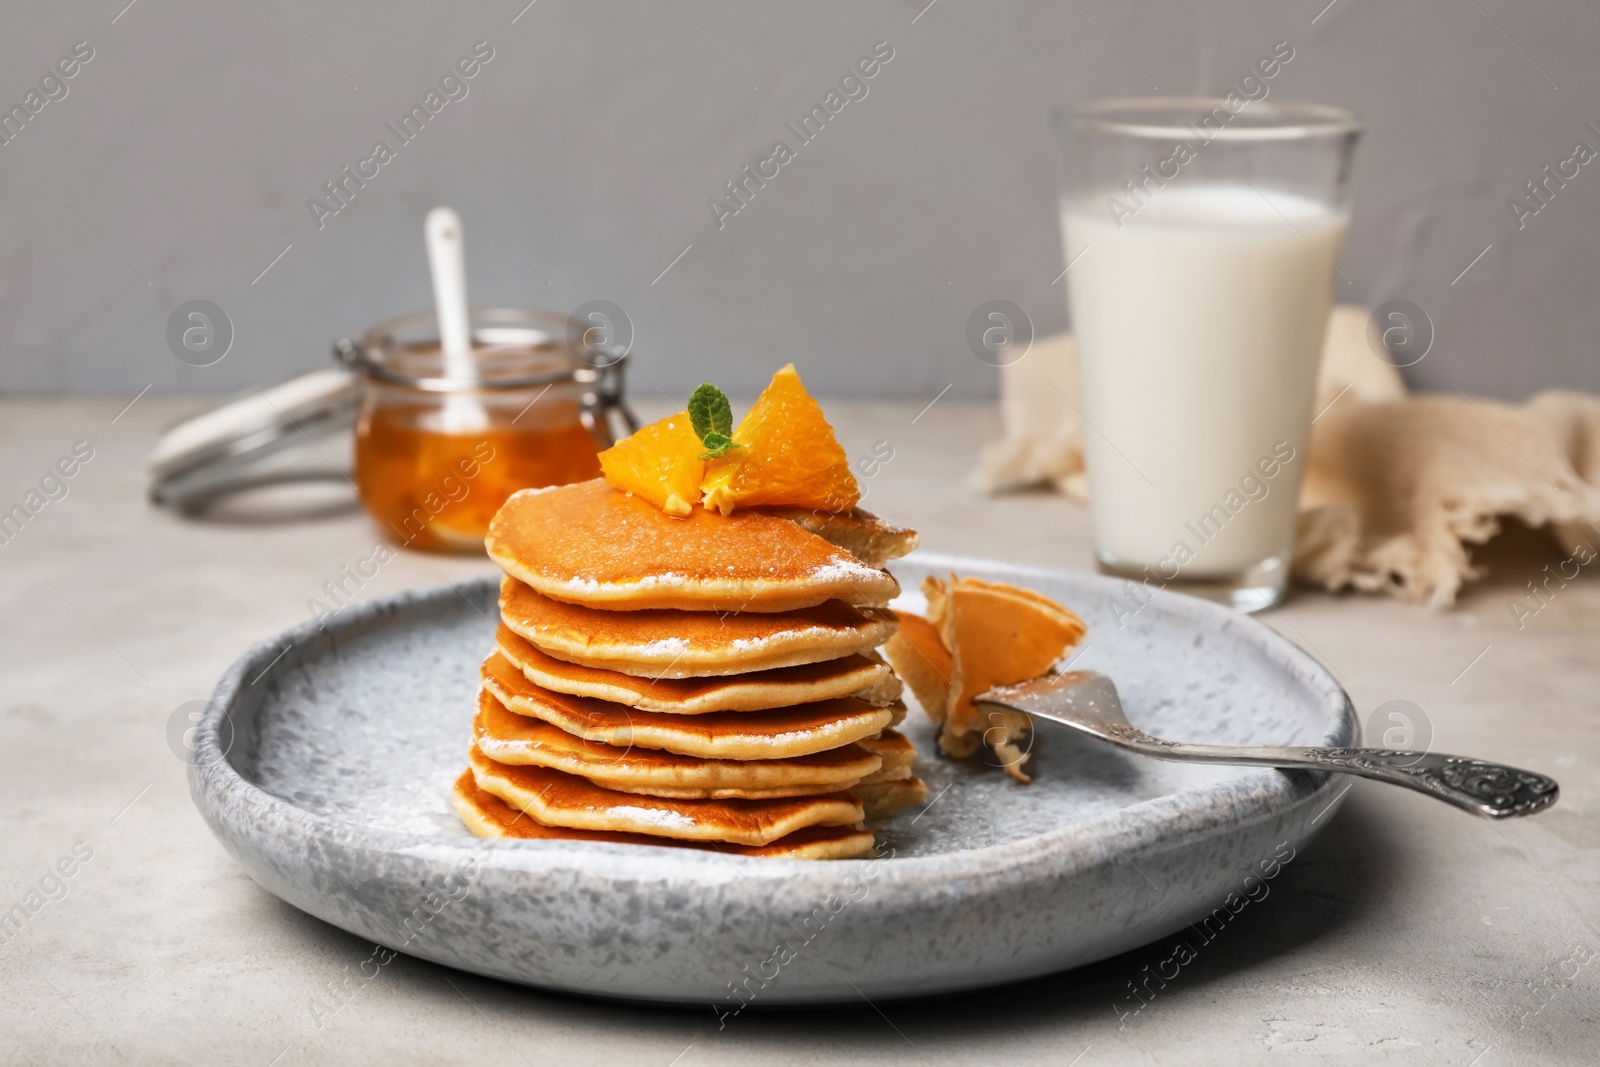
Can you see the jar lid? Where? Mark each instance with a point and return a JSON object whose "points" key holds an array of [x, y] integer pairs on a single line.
{"points": [[207, 454], [513, 348]]}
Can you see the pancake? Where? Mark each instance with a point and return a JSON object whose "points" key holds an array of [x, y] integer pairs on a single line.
{"points": [[486, 815], [862, 675], [666, 643], [506, 737], [895, 752], [996, 634], [919, 657], [860, 533], [558, 799], [742, 735], [885, 798], [591, 544]]}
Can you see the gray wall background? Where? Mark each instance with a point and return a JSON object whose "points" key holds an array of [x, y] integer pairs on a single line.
{"points": [[180, 163]]}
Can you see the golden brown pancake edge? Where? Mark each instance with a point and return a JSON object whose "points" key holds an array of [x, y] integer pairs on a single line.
{"points": [[558, 799], [486, 815], [775, 734], [513, 739], [668, 643], [863, 675], [588, 543]]}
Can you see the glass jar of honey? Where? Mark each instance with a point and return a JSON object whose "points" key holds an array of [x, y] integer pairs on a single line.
{"points": [[436, 455]]}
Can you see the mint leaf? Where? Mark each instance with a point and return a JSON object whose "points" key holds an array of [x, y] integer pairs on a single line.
{"points": [[717, 443], [710, 412], [712, 418]]}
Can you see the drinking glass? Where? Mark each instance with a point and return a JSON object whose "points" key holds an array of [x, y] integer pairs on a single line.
{"points": [[1202, 239]]}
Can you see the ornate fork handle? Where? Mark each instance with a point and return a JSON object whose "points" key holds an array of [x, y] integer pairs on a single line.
{"points": [[1493, 790], [1087, 701]]}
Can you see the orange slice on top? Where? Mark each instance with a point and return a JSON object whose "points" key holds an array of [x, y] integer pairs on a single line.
{"points": [[660, 462], [786, 455]]}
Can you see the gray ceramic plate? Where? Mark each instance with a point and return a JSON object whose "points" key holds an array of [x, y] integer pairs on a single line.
{"points": [[328, 780]]}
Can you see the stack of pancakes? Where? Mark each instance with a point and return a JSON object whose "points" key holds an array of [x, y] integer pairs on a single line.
{"points": [[708, 681]]}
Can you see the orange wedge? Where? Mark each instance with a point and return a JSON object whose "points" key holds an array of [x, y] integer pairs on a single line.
{"points": [[787, 455], [660, 462]]}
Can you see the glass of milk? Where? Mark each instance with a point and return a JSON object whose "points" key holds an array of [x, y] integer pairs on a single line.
{"points": [[1202, 239]]}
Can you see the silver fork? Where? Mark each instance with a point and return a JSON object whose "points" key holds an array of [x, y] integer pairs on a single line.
{"points": [[1087, 702]]}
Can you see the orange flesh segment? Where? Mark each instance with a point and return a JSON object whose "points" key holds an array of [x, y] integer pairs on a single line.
{"points": [[660, 462], [787, 455]]}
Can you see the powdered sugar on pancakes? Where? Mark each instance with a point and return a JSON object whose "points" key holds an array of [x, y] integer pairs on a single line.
{"points": [[863, 675], [558, 799], [666, 642], [666, 646], [593, 545], [845, 569]]}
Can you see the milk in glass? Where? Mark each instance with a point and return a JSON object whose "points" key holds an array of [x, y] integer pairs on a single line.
{"points": [[1199, 321]]}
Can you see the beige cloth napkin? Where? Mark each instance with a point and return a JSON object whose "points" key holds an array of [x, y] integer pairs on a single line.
{"points": [[1396, 489]]}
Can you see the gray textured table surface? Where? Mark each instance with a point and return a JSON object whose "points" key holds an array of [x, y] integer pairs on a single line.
{"points": [[1408, 933]]}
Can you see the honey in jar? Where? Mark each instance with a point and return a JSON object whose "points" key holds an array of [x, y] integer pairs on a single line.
{"points": [[438, 490], [435, 457]]}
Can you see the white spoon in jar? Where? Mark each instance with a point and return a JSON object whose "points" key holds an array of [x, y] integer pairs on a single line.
{"points": [[462, 413]]}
